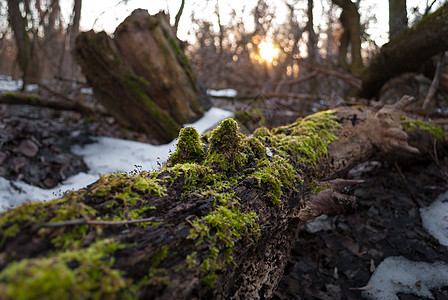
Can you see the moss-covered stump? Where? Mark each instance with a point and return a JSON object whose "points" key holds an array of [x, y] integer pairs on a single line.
{"points": [[217, 221], [142, 76]]}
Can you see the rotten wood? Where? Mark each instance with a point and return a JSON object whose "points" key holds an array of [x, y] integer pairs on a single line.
{"points": [[258, 263], [147, 86]]}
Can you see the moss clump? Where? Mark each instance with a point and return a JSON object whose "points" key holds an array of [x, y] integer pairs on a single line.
{"points": [[226, 144], [189, 148], [307, 139], [437, 132], [77, 274], [193, 176], [274, 175]]}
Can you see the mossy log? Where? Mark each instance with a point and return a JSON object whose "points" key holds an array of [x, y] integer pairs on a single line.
{"points": [[142, 76], [15, 98], [217, 221], [408, 51]]}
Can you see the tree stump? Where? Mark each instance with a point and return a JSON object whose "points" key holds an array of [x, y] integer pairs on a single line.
{"points": [[142, 76]]}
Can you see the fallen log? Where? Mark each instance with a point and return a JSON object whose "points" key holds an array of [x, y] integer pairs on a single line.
{"points": [[407, 52], [16, 98], [218, 220]]}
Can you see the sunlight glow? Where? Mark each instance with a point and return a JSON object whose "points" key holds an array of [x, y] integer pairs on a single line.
{"points": [[268, 52]]}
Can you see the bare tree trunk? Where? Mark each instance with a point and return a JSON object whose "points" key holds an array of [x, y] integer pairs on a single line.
{"points": [[312, 39], [215, 223], [407, 52], [398, 17], [350, 20], [26, 50]]}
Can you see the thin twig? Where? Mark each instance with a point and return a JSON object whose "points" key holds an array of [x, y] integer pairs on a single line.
{"points": [[94, 222], [436, 81], [406, 184]]}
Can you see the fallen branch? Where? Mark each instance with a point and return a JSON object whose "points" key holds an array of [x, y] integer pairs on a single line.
{"points": [[36, 100], [435, 82], [348, 78], [94, 222], [277, 95]]}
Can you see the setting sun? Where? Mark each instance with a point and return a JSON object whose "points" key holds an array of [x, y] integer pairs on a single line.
{"points": [[268, 51]]}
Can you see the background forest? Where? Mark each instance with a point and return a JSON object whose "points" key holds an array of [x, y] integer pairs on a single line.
{"points": [[256, 50]]}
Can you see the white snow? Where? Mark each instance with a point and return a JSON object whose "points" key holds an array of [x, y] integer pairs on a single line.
{"points": [[321, 223], [106, 155], [222, 93], [435, 218], [396, 274], [9, 85]]}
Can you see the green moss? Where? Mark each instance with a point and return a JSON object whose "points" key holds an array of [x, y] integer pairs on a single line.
{"points": [[257, 148], [28, 214], [159, 257], [317, 188], [276, 174], [123, 194], [307, 139], [77, 274], [31, 98], [192, 176], [189, 148], [221, 228], [270, 160], [436, 131], [225, 151], [137, 85]]}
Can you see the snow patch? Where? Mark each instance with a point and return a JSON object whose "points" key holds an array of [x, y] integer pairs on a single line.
{"points": [[435, 218], [7, 84], [321, 223], [397, 274], [222, 93]]}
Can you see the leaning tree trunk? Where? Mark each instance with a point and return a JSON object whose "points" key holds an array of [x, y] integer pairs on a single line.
{"points": [[142, 76], [217, 221], [407, 52]]}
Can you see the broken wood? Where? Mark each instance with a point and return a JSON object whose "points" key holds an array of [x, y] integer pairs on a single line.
{"points": [[227, 213], [142, 76]]}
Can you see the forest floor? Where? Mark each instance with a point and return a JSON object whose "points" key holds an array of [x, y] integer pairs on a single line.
{"points": [[329, 264]]}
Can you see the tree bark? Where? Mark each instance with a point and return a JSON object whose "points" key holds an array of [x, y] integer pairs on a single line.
{"points": [[350, 20], [407, 52], [398, 17], [141, 76], [26, 46], [197, 236]]}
